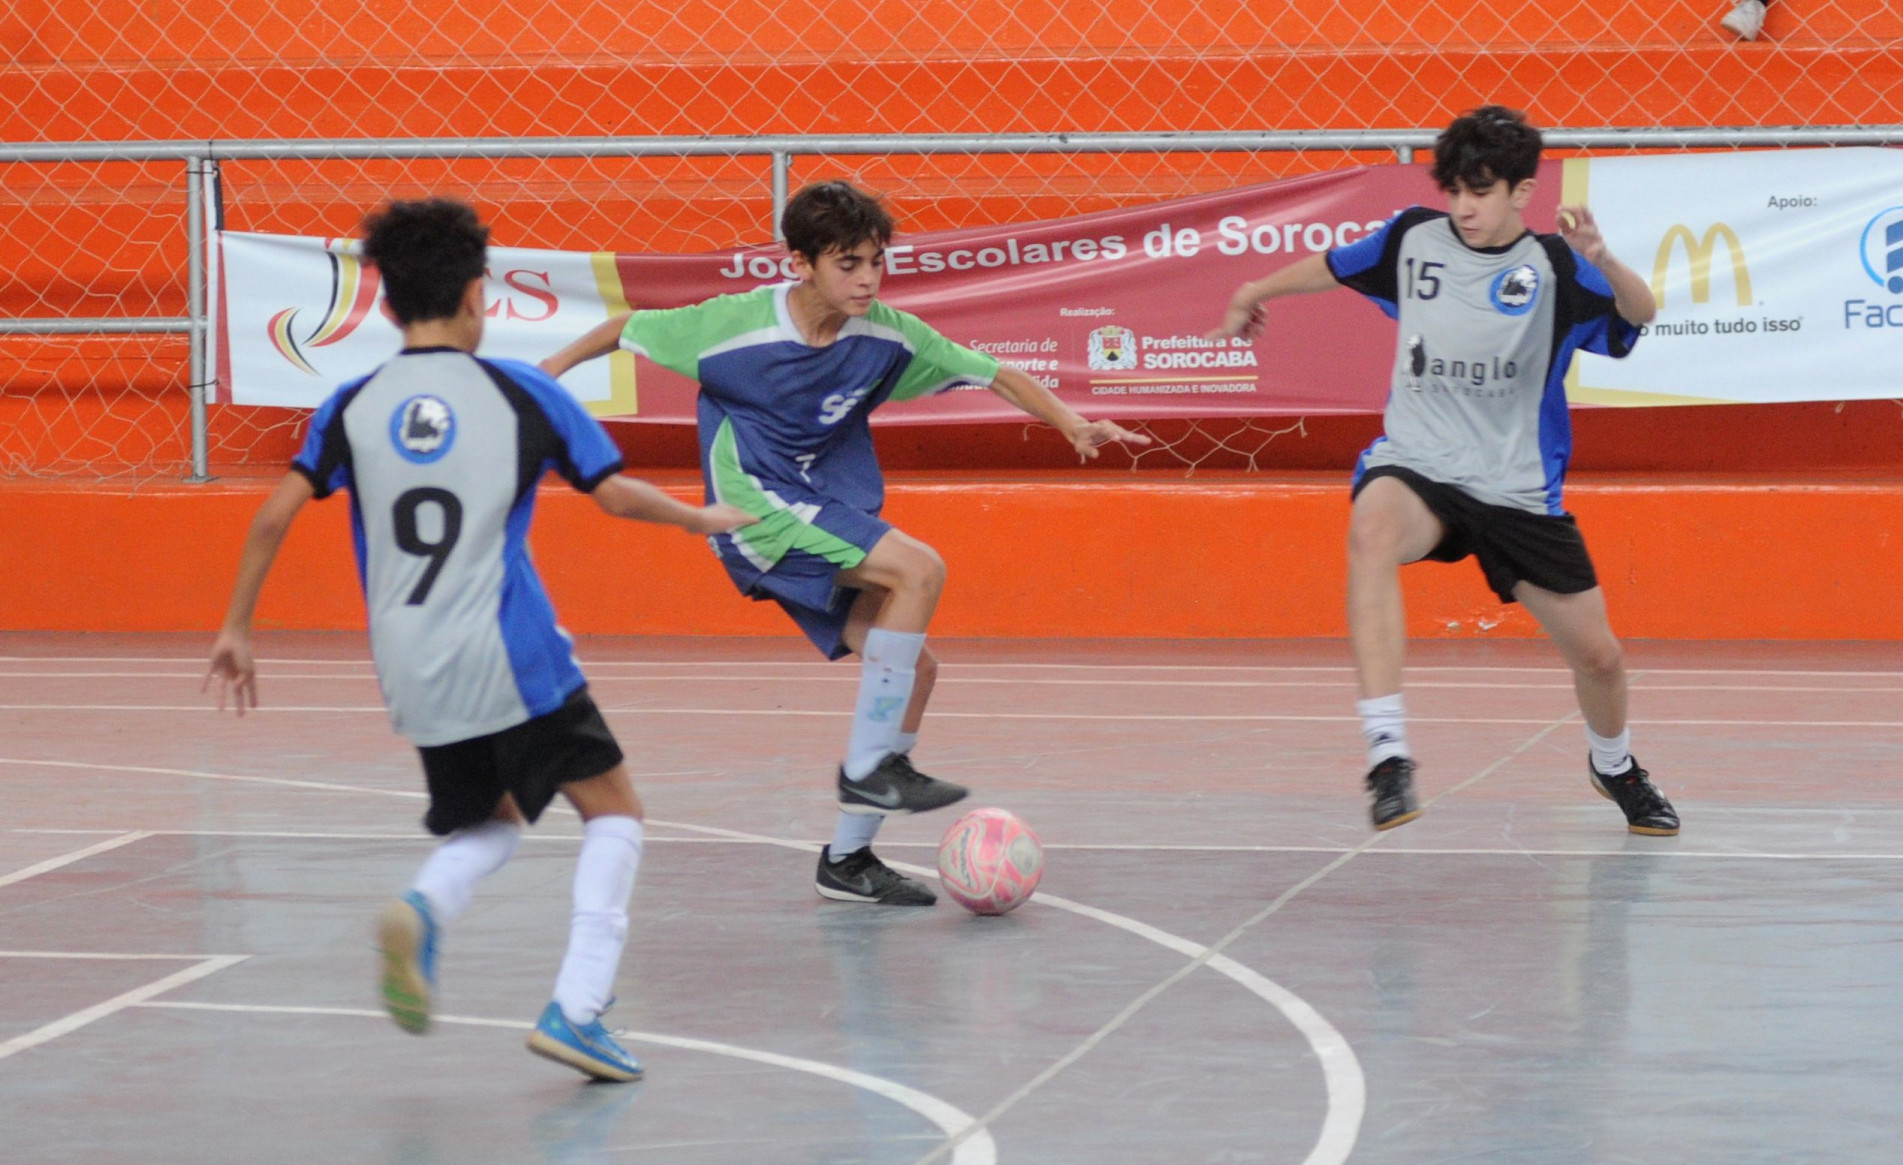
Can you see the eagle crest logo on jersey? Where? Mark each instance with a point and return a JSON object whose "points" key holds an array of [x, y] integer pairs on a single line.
{"points": [[422, 429], [1516, 290], [1113, 349]]}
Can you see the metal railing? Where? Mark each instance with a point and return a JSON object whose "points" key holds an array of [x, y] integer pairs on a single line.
{"points": [[203, 203]]}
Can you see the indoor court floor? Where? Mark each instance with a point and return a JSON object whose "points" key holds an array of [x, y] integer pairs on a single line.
{"points": [[1224, 963]]}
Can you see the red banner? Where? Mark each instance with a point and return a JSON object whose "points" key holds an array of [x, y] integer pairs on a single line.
{"points": [[1109, 310]]}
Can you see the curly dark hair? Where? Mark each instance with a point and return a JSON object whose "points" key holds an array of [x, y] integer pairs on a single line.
{"points": [[1485, 145], [427, 252], [833, 216]]}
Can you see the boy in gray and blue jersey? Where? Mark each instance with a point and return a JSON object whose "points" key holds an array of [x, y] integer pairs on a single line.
{"points": [[441, 452], [1476, 437]]}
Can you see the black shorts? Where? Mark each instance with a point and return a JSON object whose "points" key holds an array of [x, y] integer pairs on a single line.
{"points": [[531, 761], [1512, 545]]}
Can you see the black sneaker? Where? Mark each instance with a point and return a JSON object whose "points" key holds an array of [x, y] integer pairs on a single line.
{"points": [[862, 877], [895, 787], [1646, 809], [1392, 783]]}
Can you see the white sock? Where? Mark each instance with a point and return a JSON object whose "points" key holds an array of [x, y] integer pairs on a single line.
{"points": [[907, 741], [1611, 755], [1384, 725], [464, 858], [852, 833], [604, 880], [885, 688]]}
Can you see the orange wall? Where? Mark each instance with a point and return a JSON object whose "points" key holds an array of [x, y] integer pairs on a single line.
{"points": [[1030, 556]]}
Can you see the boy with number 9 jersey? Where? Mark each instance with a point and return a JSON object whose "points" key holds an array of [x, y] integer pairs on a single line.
{"points": [[442, 452]]}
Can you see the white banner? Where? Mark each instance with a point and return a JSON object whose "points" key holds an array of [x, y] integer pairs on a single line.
{"points": [[296, 317], [1779, 275]]}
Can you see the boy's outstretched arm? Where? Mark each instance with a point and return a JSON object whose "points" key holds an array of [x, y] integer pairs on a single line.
{"points": [[1631, 294], [599, 340], [1244, 316], [1084, 436], [231, 663], [630, 497]]}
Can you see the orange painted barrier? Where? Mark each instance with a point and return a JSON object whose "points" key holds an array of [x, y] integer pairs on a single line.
{"points": [[1031, 556]]}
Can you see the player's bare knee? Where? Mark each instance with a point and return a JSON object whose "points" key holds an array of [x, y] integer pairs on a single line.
{"points": [[924, 571], [1374, 538], [1601, 663]]}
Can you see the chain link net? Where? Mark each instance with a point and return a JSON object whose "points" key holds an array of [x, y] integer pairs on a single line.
{"points": [[109, 239]]}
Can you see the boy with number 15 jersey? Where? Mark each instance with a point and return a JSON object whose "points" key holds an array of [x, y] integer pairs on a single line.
{"points": [[1472, 461]]}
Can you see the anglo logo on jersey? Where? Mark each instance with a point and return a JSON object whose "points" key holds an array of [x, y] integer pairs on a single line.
{"points": [[1113, 349], [1516, 290], [422, 429]]}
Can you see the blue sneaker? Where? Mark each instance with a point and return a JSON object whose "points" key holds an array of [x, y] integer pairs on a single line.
{"points": [[589, 1049], [406, 936]]}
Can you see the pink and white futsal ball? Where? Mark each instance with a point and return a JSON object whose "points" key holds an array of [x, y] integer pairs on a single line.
{"points": [[989, 861]]}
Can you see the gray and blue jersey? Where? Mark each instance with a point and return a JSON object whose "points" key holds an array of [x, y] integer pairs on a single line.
{"points": [[1478, 397], [441, 453]]}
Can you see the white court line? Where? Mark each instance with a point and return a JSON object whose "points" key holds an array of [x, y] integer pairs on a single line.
{"points": [[1342, 1079], [1678, 852], [1341, 1072], [847, 676], [283, 782], [98, 1011], [843, 713], [50, 864], [978, 1149], [109, 956], [980, 666]]}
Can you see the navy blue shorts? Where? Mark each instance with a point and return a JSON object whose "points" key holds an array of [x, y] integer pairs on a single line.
{"points": [[794, 556]]}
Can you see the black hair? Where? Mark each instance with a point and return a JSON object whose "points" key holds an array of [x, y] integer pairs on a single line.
{"points": [[833, 216], [1485, 145], [427, 252]]}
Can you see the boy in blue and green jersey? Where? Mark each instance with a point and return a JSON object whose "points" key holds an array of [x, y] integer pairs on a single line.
{"points": [[789, 377]]}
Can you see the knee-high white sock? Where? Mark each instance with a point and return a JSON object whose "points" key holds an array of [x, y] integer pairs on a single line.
{"points": [[464, 858], [604, 880], [885, 687], [1611, 755], [906, 742], [853, 832], [1384, 725]]}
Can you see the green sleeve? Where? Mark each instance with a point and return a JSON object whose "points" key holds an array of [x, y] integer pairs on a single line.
{"points": [[937, 363], [675, 338]]}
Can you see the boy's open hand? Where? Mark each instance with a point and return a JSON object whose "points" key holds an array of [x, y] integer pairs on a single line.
{"points": [[1581, 232], [1097, 434], [234, 670], [721, 519]]}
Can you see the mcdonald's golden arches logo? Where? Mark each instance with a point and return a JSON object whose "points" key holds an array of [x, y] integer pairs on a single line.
{"points": [[1698, 251]]}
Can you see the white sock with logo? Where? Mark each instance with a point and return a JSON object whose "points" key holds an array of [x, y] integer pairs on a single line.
{"points": [[1611, 755], [852, 833], [464, 858], [1384, 725], [885, 688], [598, 929]]}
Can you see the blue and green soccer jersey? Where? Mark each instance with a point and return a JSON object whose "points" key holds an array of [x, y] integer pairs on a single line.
{"points": [[785, 433]]}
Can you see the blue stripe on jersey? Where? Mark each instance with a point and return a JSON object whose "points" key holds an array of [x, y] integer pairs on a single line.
{"points": [[1609, 334], [325, 456], [1367, 265], [1556, 423], [540, 653], [592, 456]]}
